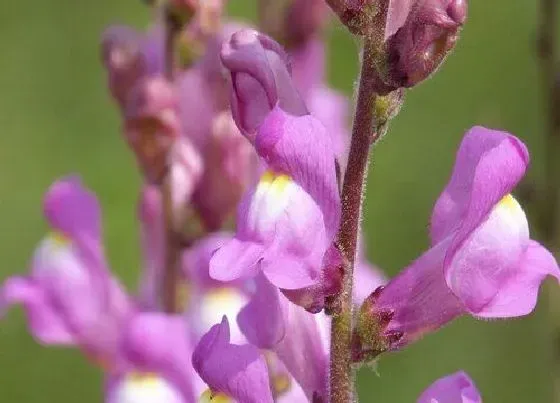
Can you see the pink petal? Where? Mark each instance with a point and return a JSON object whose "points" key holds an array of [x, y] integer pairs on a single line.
{"points": [[489, 258], [396, 15], [46, 323], [301, 147], [519, 295], [455, 388], [239, 371], [160, 343], [236, 259], [489, 164], [289, 272]]}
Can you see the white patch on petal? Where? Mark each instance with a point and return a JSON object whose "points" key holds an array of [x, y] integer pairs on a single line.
{"points": [[491, 251], [56, 256], [219, 302], [512, 215], [271, 199], [146, 388]]}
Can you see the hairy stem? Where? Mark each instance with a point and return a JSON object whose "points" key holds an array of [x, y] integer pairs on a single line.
{"points": [[173, 244], [363, 135]]}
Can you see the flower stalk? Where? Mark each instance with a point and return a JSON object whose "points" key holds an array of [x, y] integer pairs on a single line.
{"points": [[364, 134], [173, 242]]}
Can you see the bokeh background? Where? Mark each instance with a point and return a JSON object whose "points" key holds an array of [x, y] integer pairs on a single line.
{"points": [[56, 118]]}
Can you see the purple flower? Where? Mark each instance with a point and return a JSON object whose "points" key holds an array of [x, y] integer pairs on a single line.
{"points": [[260, 79], [69, 296], [482, 261], [288, 221], [156, 350], [235, 371], [270, 321], [454, 388]]}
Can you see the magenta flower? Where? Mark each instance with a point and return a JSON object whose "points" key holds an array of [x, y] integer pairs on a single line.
{"points": [[156, 351], [235, 371], [454, 388], [69, 297], [482, 261]]}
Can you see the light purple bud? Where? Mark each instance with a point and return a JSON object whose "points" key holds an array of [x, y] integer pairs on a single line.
{"points": [[260, 79]]}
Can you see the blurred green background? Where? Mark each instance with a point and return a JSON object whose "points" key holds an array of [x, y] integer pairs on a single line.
{"points": [[56, 118]]}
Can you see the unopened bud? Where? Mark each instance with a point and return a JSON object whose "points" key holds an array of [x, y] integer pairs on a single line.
{"points": [[121, 52], [302, 20], [152, 125], [418, 48], [182, 11], [260, 78]]}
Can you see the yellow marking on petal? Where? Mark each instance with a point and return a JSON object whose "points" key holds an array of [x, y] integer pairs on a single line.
{"points": [[143, 379], [281, 384], [276, 182], [59, 239], [210, 397], [509, 202]]}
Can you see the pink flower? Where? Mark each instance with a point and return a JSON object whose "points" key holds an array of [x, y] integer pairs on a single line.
{"points": [[482, 261], [231, 370], [70, 297]]}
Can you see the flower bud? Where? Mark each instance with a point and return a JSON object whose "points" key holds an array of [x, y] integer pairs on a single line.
{"points": [[152, 125], [229, 158], [182, 11], [303, 19], [418, 48], [122, 56], [260, 79]]}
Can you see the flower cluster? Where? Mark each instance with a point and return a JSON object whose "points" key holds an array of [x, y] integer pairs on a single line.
{"points": [[242, 149]]}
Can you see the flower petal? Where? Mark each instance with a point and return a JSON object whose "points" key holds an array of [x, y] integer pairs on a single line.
{"points": [[490, 257], [396, 15], [160, 343], [237, 259], [419, 297], [489, 164], [301, 148], [272, 322], [455, 388], [262, 320], [519, 295], [45, 321], [142, 388], [73, 210], [238, 371]]}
